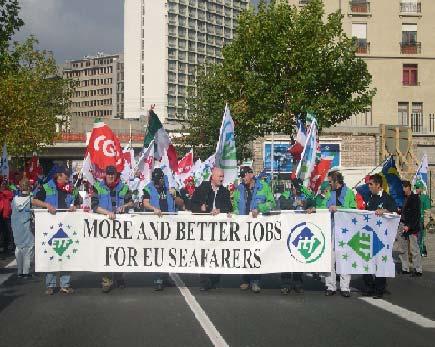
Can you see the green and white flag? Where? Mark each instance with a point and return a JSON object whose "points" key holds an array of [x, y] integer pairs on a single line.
{"points": [[225, 156], [364, 243]]}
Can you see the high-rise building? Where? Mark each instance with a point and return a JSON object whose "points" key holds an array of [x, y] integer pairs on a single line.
{"points": [[164, 42], [100, 85], [395, 38]]}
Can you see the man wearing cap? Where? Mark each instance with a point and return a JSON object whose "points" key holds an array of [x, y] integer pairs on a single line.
{"points": [[109, 197], [159, 198], [211, 197], [425, 207], [341, 197], [297, 201], [252, 196], [56, 195]]}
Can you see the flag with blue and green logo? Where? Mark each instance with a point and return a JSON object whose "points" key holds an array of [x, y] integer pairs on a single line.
{"points": [[225, 156], [364, 243]]}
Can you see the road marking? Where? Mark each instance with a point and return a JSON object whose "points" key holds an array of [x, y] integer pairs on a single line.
{"points": [[206, 324], [5, 277], [401, 312]]}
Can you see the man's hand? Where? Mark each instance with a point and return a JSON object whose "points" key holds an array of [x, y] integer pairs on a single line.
{"points": [[254, 213], [158, 212], [311, 210], [405, 229], [51, 208], [333, 208], [215, 212], [173, 192], [203, 208], [379, 212], [72, 208], [120, 209], [111, 215]]}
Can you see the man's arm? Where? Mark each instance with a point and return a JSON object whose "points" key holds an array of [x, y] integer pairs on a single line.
{"points": [[199, 199]]}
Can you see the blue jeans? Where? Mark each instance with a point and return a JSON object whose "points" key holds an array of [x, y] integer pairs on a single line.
{"points": [[50, 280]]}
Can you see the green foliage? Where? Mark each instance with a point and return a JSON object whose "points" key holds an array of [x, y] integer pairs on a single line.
{"points": [[33, 94], [283, 62]]}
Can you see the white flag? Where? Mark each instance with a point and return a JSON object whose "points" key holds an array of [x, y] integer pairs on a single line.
{"points": [[88, 169], [308, 158], [364, 243], [226, 157], [4, 165], [145, 167], [422, 171]]}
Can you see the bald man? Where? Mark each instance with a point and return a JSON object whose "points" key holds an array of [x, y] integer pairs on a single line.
{"points": [[211, 197]]}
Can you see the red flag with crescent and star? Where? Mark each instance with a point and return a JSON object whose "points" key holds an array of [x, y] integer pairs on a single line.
{"points": [[104, 147]]}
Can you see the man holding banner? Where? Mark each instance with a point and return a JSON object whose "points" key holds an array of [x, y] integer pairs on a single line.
{"points": [[55, 195], [381, 202], [252, 196], [159, 198], [341, 197], [211, 197], [111, 197]]}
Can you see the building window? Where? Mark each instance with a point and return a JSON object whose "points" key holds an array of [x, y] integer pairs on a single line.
{"points": [[410, 6], [409, 44], [359, 30], [417, 117], [403, 112], [410, 75]]}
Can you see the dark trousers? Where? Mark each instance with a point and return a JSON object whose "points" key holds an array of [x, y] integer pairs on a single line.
{"points": [[6, 237], [375, 284], [291, 280], [251, 278], [208, 280]]}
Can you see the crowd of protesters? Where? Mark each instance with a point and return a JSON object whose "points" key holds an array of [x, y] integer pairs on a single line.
{"points": [[251, 196]]}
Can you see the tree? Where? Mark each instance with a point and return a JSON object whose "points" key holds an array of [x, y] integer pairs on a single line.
{"points": [[283, 63], [33, 94]]}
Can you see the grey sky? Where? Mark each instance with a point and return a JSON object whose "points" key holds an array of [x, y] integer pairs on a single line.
{"points": [[75, 28]]}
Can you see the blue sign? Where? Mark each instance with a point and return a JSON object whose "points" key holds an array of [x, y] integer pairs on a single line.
{"points": [[282, 158]]}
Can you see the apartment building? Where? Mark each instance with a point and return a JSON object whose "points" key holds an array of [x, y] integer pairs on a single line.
{"points": [[100, 88], [396, 39], [164, 43]]}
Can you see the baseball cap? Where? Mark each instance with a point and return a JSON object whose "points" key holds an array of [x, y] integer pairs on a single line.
{"points": [[111, 170], [244, 170]]}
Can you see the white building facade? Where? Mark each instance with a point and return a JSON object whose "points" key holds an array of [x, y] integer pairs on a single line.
{"points": [[164, 42]]}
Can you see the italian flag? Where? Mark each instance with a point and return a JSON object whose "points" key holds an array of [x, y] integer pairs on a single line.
{"points": [[161, 139]]}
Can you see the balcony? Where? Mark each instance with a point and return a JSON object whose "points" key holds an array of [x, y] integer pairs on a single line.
{"points": [[410, 47], [408, 8], [362, 47], [359, 8]]}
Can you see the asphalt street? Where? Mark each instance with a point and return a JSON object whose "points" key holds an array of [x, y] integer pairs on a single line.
{"points": [[138, 316]]}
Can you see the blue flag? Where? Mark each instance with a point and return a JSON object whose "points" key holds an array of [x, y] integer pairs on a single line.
{"points": [[395, 187]]}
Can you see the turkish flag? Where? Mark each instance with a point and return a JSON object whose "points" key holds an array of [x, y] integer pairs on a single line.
{"points": [[319, 173], [104, 148], [186, 163]]}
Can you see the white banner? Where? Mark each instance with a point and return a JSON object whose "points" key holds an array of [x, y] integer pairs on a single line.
{"points": [[364, 243], [184, 243]]}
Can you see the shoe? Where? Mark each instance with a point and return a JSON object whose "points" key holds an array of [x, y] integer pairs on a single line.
{"points": [[49, 291], [120, 284], [378, 296], [299, 290], [417, 274], [424, 254], [158, 287], [285, 290], [255, 288], [345, 293], [106, 285], [244, 286], [66, 290], [330, 292], [316, 277], [403, 272]]}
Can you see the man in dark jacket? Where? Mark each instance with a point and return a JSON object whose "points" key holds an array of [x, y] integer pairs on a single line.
{"points": [[408, 230], [211, 197], [381, 202]]}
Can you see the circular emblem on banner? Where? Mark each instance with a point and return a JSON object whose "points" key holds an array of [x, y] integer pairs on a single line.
{"points": [[60, 243], [306, 242]]}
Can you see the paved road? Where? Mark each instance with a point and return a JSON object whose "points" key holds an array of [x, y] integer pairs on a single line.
{"points": [[137, 316]]}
